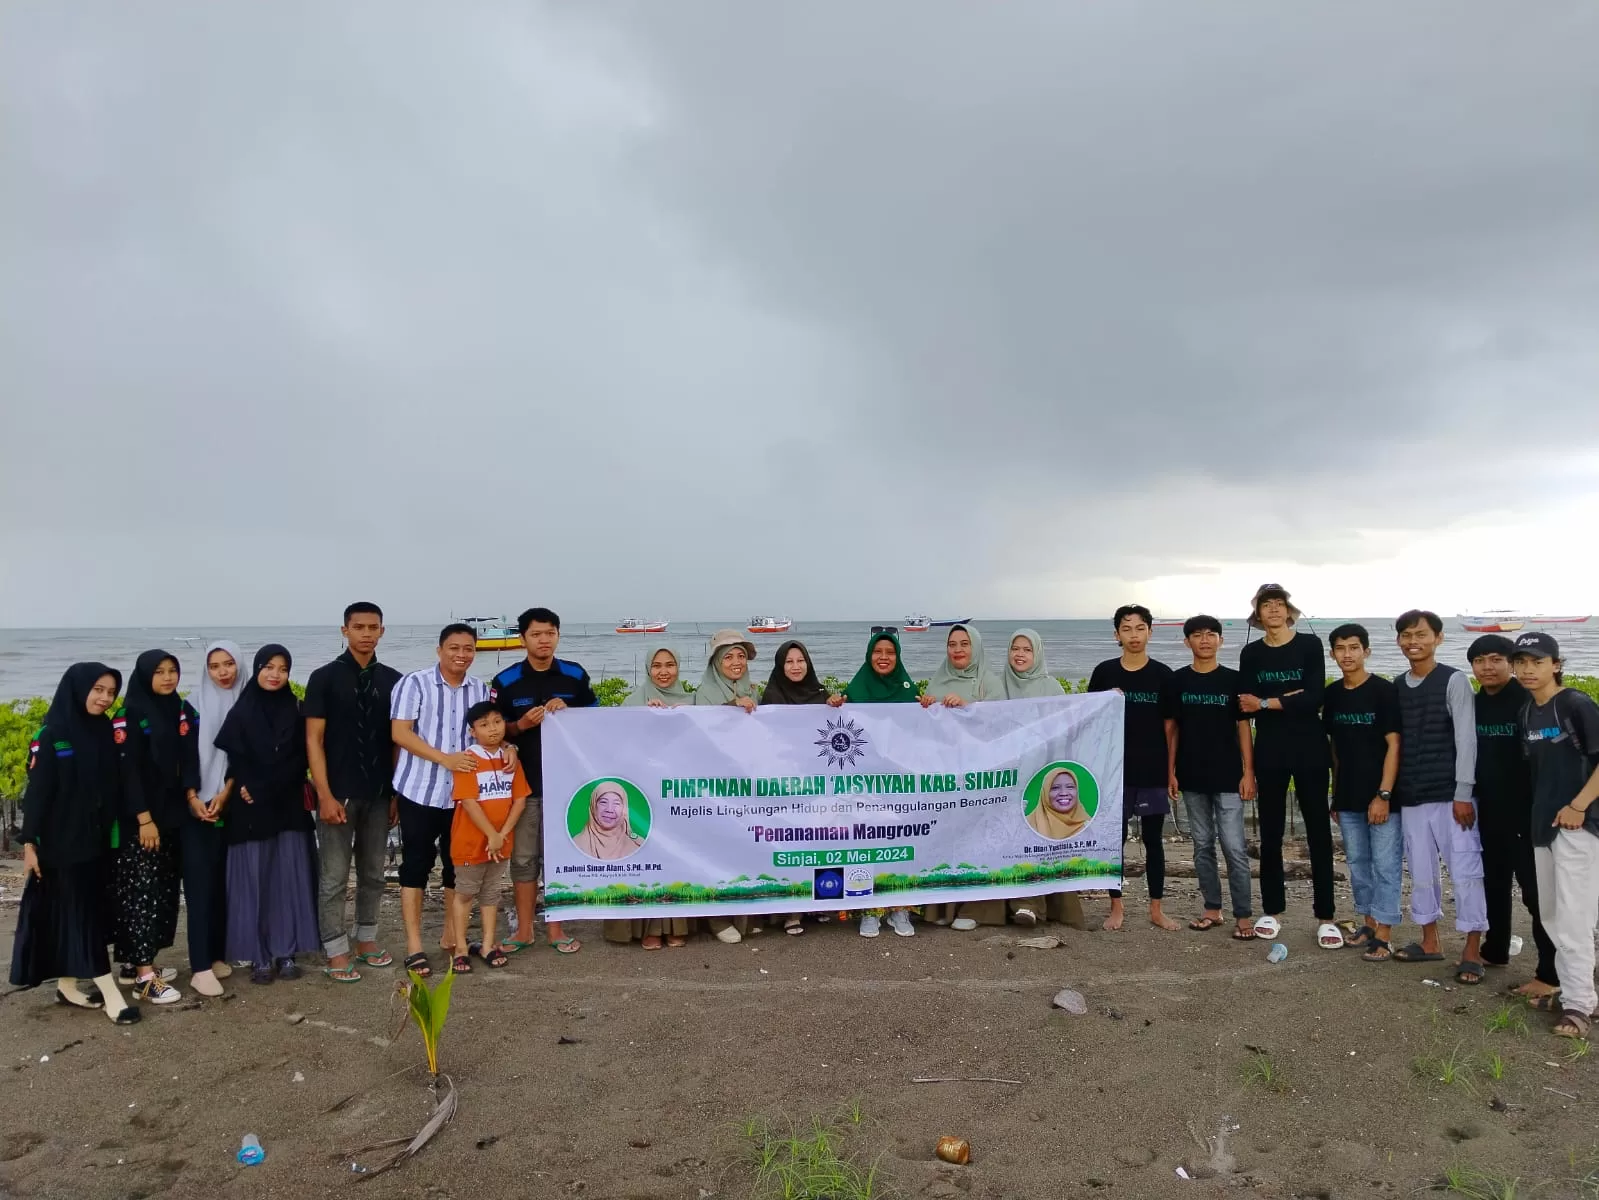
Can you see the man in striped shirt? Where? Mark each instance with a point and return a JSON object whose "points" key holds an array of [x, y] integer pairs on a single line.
{"points": [[428, 718]]}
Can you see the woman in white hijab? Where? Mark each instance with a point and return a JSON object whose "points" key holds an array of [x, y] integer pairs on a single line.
{"points": [[204, 854]]}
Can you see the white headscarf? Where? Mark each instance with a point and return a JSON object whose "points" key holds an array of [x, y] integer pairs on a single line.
{"points": [[213, 704]]}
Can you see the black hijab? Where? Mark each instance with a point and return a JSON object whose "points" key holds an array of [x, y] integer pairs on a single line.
{"points": [[76, 826], [160, 714], [780, 689], [265, 729], [68, 719]]}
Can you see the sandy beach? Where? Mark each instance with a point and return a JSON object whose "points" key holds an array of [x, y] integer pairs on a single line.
{"points": [[638, 1076]]}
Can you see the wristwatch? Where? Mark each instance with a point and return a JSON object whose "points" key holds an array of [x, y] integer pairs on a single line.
{"points": [[1385, 796]]}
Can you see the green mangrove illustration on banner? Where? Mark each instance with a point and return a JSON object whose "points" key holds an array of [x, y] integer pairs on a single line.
{"points": [[699, 811]]}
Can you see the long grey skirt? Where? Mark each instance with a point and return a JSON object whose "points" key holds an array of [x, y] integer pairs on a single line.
{"points": [[272, 899]]}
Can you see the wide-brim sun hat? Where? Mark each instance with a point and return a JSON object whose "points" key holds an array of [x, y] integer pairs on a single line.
{"points": [[723, 638], [1271, 591]]}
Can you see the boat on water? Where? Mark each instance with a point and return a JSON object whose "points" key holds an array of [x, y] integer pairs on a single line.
{"points": [[770, 625], [916, 624], [494, 633], [640, 625], [1497, 620], [1539, 619], [955, 621]]}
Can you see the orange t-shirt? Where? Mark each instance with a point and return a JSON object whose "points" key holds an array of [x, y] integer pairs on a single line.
{"points": [[496, 789]]}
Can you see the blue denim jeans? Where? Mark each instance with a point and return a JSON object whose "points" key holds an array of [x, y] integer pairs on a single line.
{"points": [[1376, 855], [1213, 815]]}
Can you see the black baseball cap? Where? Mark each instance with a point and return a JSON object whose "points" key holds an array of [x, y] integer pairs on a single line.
{"points": [[1537, 645]]}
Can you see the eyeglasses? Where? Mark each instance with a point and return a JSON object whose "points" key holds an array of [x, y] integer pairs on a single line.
{"points": [[885, 628]]}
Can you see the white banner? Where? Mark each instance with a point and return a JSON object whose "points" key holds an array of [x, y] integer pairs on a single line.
{"points": [[652, 812]]}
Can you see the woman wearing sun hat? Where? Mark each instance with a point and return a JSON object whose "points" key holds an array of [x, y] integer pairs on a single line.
{"points": [[1283, 676]]}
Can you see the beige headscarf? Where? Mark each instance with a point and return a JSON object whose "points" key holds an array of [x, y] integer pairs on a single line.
{"points": [[1051, 822], [716, 688], [619, 841]]}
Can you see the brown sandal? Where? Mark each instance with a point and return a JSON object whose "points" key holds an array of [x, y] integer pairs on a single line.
{"points": [[1573, 1025]]}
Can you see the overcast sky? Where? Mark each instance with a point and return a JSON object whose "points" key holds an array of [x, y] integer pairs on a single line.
{"points": [[838, 309]]}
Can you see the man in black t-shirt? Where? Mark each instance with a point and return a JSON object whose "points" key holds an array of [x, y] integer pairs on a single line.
{"points": [[1284, 674], [1504, 810], [1142, 682], [1211, 757], [1361, 715], [528, 693], [351, 751]]}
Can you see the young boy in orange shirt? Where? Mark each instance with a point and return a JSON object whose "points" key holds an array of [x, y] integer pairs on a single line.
{"points": [[487, 805]]}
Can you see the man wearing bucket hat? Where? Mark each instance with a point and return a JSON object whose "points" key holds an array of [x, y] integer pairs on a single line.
{"points": [[1284, 675]]}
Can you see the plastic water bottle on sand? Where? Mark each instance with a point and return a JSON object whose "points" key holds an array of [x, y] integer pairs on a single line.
{"points": [[1278, 952], [1515, 944], [250, 1152]]}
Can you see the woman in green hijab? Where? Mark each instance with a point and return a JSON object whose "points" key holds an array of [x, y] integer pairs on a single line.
{"points": [[662, 687], [960, 678], [727, 681], [883, 679]]}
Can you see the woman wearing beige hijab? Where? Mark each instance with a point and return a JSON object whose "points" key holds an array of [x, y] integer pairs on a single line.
{"points": [[727, 681], [609, 833], [1060, 813], [661, 687]]}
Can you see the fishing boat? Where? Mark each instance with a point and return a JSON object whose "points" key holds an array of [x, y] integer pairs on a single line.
{"points": [[1543, 620], [1495, 620], [770, 625], [916, 624], [494, 633], [955, 621], [640, 625]]}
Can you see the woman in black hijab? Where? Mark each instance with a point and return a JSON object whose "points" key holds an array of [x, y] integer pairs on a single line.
{"points": [[68, 815], [159, 735], [793, 681], [271, 851]]}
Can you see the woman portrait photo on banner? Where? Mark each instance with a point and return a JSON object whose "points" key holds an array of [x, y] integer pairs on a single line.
{"points": [[1060, 813], [608, 835]]}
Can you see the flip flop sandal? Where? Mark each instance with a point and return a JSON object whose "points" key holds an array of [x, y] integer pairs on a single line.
{"points": [[496, 958], [1469, 974], [652, 942], [1377, 950], [1361, 938], [512, 946], [1329, 936], [1204, 924], [345, 974], [794, 930], [417, 964], [461, 965], [566, 945], [375, 958], [1549, 1003], [676, 943], [1413, 953], [1242, 935]]}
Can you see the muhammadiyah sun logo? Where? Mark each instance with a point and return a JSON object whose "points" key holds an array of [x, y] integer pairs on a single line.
{"points": [[842, 742], [608, 819]]}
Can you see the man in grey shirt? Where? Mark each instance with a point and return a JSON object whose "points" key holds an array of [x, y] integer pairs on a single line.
{"points": [[1437, 775]]}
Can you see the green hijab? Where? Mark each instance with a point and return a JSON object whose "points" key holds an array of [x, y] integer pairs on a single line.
{"points": [[649, 690], [868, 687], [717, 688], [1036, 680], [968, 682]]}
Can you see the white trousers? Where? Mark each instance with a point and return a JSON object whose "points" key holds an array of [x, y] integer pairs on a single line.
{"points": [[1431, 834], [1568, 903]]}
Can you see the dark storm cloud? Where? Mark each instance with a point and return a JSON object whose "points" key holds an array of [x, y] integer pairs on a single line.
{"points": [[695, 307]]}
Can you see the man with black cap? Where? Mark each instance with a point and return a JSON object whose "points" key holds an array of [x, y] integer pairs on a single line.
{"points": [[1284, 675], [1504, 810], [1560, 729]]}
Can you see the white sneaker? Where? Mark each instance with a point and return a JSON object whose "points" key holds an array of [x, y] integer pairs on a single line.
{"points": [[1025, 916], [900, 923], [964, 924], [730, 935], [155, 990], [871, 926]]}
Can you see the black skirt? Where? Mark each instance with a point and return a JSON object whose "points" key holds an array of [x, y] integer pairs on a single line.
{"points": [[63, 925]]}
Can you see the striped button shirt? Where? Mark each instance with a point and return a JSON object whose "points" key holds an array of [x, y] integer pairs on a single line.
{"points": [[439, 713]]}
